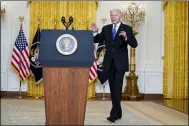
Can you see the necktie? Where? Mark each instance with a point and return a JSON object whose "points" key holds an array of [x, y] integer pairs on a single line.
{"points": [[114, 31]]}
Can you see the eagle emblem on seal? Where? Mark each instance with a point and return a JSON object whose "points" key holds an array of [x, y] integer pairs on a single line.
{"points": [[66, 44]]}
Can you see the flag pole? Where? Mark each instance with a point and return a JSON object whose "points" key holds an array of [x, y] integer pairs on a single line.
{"points": [[20, 89], [103, 94], [37, 87]]}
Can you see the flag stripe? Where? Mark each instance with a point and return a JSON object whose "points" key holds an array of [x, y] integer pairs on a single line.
{"points": [[15, 61], [25, 57], [21, 76], [93, 70], [15, 66], [23, 67], [91, 76], [23, 61], [16, 58], [22, 73], [16, 52]]}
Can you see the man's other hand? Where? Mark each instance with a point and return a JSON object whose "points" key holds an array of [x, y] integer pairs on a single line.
{"points": [[94, 27]]}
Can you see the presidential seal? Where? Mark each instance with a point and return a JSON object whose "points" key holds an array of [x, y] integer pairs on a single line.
{"points": [[34, 55], [66, 44]]}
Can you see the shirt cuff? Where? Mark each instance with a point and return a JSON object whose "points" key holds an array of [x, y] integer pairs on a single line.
{"points": [[94, 34]]}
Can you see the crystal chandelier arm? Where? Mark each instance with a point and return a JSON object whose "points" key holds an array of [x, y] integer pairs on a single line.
{"points": [[133, 16], [130, 13], [131, 21], [137, 21], [136, 12], [126, 17], [140, 17]]}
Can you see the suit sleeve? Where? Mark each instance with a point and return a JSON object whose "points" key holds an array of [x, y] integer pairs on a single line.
{"points": [[99, 38], [131, 40]]}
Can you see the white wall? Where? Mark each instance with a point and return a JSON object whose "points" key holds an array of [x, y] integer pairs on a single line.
{"points": [[10, 27], [148, 53]]}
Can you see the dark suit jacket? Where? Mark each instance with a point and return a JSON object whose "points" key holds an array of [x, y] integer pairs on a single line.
{"points": [[113, 48]]}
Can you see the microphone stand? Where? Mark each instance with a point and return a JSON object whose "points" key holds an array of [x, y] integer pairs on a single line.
{"points": [[67, 24]]}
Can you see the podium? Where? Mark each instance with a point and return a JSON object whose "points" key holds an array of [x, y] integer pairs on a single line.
{"points": [[65, 77]]}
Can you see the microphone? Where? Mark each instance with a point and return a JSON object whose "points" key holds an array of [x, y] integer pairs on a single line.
{"points": [[73, 28]]}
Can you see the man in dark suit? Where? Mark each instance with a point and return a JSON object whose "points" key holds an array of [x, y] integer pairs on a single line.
{"points": [[116, 36]]}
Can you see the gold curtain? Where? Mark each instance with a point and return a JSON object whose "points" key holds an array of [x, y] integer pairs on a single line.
{"points": [[46, 12], [175, 80], [178, 104], [84, 13]]}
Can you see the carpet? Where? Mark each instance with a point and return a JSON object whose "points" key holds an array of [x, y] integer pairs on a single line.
{"points": [[161, 114], [32, 112]]}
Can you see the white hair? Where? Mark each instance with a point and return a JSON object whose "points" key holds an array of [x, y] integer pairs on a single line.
{"points": [[115, 9]]}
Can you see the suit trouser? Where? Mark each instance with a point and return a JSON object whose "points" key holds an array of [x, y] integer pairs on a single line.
{"points": [[115, 79]]}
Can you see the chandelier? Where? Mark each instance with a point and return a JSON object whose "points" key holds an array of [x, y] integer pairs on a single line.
{"points": [[133, 13]]}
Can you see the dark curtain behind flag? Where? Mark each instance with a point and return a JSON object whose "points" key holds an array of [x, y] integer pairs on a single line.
{"points": [[35, 66], [102, 77]]}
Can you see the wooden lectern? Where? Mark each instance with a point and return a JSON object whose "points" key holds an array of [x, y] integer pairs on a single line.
{"points": [[66, 77]]}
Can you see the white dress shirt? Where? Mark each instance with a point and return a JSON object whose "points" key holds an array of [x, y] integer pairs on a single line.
{"points": [[117, 26]]}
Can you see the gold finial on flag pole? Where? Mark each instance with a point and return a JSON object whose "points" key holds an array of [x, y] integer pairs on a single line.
{"points": [[21, 18], [38, 20]]}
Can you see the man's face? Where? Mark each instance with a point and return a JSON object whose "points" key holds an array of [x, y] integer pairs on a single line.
{"points": [[115, 16]]}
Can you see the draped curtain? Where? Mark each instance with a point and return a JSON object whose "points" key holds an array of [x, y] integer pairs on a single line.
{"points": [[49, 13], [175, 76], [84, 13]]}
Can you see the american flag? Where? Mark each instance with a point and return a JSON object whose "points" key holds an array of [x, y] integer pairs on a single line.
{"points": [[93, 70], [20, 56]]}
